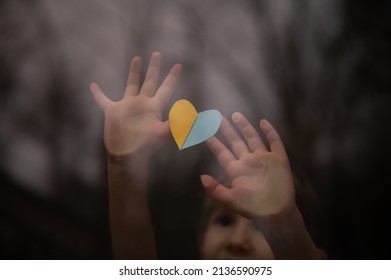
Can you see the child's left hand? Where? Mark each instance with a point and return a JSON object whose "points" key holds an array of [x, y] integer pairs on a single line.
{"points": [[261, 180], [134, 124]]}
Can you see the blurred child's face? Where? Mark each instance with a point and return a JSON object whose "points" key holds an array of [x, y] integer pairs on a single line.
{"points": [[230, 236]]}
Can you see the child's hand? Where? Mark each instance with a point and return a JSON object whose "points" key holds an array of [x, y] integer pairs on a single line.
{"points": [[261, 180], [134, 124]]}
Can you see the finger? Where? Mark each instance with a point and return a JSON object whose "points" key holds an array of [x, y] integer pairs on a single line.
{"points": [[221, 152], [216, 190], [165, 91], [235, 141], [152, 76], [273, 137], [249, 133], [101, 99], [133, 83]]}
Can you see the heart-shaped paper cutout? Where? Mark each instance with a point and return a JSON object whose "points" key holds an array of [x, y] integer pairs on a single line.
{"points": [[190, 128]]}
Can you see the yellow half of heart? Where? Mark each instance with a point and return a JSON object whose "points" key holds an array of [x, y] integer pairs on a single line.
{"points": [[181, 117]]}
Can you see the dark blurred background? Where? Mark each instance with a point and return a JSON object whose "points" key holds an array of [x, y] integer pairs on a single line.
{"points": [[319, 70]]}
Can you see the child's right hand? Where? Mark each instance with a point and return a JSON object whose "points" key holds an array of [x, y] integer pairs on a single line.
{"points": [[134, 125], [261, 180], [262, 187]]}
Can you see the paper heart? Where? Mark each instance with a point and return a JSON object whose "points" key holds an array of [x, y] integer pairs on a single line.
{"points": [[190, 128]]}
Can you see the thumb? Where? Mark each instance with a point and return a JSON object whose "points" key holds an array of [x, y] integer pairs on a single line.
{"points": [[101, 99], [215, 190]]}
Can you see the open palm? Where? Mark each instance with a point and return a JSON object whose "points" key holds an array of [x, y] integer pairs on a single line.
{"points": [[134, 124], [261, 180]]}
